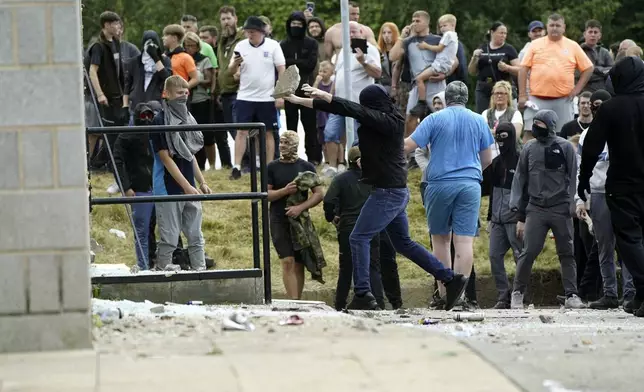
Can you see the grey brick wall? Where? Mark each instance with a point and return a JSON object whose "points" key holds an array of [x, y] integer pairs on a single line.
{"points": [[44, 222]]}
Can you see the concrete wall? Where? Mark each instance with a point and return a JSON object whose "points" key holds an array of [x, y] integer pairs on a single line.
{"points": [[44, 238]]}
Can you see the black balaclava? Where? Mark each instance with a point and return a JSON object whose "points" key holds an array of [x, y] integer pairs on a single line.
{"points": [[144, 112], [601, 95], [506, 139], [375, 97], [549, 118], [296, 32]]}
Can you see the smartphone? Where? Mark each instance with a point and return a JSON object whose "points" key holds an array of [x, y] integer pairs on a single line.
{"points": [[310, 6], [359, 43]]}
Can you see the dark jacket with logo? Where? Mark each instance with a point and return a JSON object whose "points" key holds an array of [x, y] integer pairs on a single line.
{"points": [[300, 50], [502, 172]]}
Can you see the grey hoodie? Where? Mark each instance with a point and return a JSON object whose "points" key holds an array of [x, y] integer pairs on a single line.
{"points": [[547, 171]]}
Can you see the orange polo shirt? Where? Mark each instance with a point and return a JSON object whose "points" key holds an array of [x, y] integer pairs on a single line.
{"points": [[552, 66], [182, 65]]}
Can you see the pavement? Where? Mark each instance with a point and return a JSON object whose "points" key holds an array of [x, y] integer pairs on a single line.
{"points": [[179, 347]]}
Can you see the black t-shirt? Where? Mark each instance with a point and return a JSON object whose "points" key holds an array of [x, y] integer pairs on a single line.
{"points": [[281, 174], [488, 65], [572, 128]]}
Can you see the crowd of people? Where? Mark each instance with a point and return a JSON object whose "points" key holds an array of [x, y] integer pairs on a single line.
{"points": [[537, 143]]}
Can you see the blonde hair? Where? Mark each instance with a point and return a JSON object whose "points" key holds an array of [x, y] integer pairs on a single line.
{"points": [[447, 18], [176, 30], [634, 51], [508, 89], [175, 82], [326, 63], [190, 36]]}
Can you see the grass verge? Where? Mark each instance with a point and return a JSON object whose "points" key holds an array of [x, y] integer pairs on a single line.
{"points": [[227, 232]]}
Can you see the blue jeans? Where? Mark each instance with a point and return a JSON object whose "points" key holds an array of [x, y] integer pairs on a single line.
{"points": [[142, 214], [385, 210]]}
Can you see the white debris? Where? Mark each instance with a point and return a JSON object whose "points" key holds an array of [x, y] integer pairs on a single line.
{"points": [[120, 234]]}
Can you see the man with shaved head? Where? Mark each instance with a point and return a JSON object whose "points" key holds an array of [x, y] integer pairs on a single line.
{"points": [[333, 36]]}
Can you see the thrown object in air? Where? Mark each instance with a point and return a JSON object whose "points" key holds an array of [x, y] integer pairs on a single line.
{"points": [[237, 321], [288, 83]]}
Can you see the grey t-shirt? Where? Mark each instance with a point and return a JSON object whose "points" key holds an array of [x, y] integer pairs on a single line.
{"points": [[420, 59], [200, 93]]}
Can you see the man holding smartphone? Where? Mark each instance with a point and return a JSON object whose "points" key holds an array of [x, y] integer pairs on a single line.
{"points": [[365, 69]]}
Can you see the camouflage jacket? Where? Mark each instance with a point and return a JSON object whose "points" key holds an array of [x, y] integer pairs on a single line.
{"points": [[305, 239]]}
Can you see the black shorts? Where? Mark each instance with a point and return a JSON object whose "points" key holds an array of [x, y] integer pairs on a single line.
{"points": [[264, 112], [209, 138], [281, 237]]}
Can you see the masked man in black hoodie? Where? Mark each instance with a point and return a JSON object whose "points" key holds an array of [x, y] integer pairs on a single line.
{"points": [[502, 220], [147, 72], [302, 51], [619, 123]]}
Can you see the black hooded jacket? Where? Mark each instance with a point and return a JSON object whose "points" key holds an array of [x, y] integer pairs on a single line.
{"points": [[620, 124], [300, 50], [502, 172], [135, 75], [381, 134]]}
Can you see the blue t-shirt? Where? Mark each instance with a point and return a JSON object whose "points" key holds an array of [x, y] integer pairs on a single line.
{"points": [[455, 135], [162, 181]]}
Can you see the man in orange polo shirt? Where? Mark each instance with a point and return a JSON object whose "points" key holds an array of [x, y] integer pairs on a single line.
{"points": [[182, 63], [552, 61]]}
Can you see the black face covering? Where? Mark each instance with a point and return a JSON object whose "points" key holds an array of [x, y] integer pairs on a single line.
{"points": [[539, 132], [298, 31]]}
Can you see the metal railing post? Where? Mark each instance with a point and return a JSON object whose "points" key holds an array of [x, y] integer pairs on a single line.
{"points": [[268, 294], [253, 205]]}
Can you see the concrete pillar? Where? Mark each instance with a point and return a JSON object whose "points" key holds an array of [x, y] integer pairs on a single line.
{"points": [[44, 219]]}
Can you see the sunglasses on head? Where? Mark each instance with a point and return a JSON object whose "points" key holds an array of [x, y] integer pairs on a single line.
{"points": [[146, 115]]}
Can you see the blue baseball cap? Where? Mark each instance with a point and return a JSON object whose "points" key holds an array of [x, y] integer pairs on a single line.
{"points": [[535, 24]]}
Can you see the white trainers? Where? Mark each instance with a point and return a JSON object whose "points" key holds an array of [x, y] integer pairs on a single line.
{"points": [[172, 267], [113, 189], [574, 302], [342, 168], [517, 300], [329, 171]]}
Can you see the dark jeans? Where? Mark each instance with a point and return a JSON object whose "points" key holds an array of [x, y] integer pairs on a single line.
{"points": [[589, 279], [345, 274], [205, 113], [228, 109], [385, 209], [627, 215], [389, 271], [309, 122], [142, 215]]}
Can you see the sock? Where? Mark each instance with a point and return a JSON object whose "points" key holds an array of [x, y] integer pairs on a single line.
{"points": [[238, 167]]}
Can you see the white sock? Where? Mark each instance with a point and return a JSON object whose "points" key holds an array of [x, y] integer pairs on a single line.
{"points": [[238, 167]]}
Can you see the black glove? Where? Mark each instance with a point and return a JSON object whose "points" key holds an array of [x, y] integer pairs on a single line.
{"points": [[583, 188], [154, 52], [124, 115]]}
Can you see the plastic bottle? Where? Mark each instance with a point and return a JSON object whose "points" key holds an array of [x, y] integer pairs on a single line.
{"points": [[111, 314]]}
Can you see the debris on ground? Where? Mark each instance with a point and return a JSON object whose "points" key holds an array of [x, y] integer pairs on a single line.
{"points": [[120, 234], [237, 321], [466, 316], [292, 320], [546, 319], [428, 321]]}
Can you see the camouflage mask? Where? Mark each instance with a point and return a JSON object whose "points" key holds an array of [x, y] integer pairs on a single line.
{"points": [[289, 143]]}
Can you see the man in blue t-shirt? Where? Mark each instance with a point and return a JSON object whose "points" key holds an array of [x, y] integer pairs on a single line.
{"points": [[174, 172], [461, 147]]}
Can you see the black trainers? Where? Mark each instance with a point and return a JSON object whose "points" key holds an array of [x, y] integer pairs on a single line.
{"points": [[639, 312], [471, 305], [437, 303], [604, 303], [632, 305], [455, 289], [363, 302], [420, 110], [502, 305], [235, 174]]}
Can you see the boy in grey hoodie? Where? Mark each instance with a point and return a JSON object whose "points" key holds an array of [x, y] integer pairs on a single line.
{"points": [[546, 172]]}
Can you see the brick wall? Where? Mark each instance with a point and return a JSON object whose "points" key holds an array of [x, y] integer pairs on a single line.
{"points": [[44, 220]]}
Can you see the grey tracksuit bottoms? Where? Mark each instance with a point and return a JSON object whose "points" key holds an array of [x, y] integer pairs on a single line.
{"points": [[536, 229], [174, 219], [503, 237]]}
